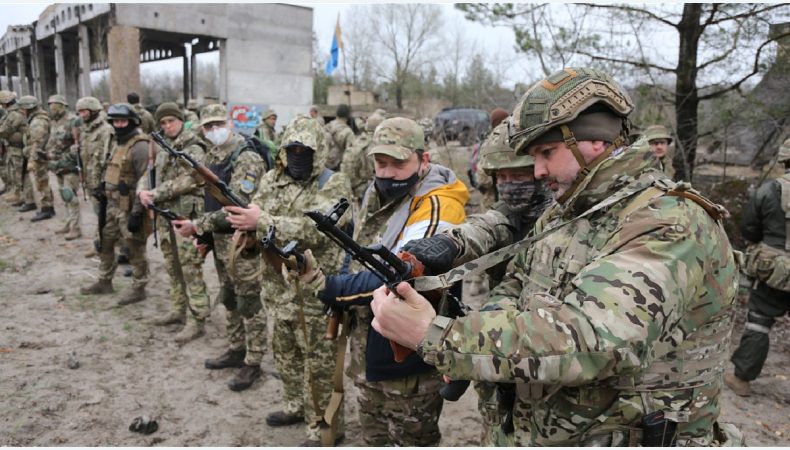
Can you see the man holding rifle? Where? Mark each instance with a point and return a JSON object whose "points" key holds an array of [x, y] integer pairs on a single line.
{"points": [[64, 163], [178, 188], [12, 129]]}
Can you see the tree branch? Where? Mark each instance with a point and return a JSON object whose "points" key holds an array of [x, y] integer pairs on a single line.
{"points": [[625, 61], [634, 10], [746, 14]]}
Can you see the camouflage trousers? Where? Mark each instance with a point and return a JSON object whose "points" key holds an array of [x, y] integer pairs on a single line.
{"points": [[116, 233], [39, 175], [68, 184], [403, 412], [194, 303], [488, 405], [5, 175], [306, 367], [14, 161], [241, 296]]}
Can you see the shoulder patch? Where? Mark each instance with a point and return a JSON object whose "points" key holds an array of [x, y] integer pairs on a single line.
{"points": [[249, 183]]}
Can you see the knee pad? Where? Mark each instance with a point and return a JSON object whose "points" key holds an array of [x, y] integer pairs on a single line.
{"points": [[67, 194], [759, 323]]}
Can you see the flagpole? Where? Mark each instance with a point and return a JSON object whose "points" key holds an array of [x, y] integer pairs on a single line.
{"points": [[345, 67]]}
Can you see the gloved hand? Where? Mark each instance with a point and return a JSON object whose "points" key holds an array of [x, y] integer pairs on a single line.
{"points": [[436, 252], [98, 193], [135, 223]]}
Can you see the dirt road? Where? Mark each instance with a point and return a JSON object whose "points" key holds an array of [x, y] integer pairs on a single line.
{"points": [[129, 368]]}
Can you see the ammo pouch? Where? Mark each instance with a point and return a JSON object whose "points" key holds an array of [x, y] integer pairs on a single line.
{"points": [[124, 202], [769, 265]]}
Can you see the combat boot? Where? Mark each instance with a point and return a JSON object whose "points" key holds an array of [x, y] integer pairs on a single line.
{"points": [[75, 233], [132, 295], [63, 230], [18, 203], [170, 319], [99, 287], [27, 207], [244, 379], [282, 418], [739, 386], [46, 212], [191, 331], [91, 253], [231, 358]]}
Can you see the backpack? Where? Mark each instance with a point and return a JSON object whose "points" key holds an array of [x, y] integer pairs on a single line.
{"points": [[255, 144]]}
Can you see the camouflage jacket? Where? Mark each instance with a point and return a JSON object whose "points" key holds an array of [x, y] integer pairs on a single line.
{"points": [[37, 136], [246, 172], [60, 137], [283, 201], [96, 139], [617, 314], [763, 219], [147, 123], [342, 138], [178, 187], [13, 127], [357, 166], [264, 131]]}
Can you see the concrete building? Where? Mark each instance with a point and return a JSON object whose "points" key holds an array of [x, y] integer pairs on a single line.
{"points": [[265, 51]]}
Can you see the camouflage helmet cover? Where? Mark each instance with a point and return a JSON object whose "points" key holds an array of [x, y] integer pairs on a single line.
{"points": [[7, 96], [122, 111], [28, 102], [783, 154], [397, 137], [192, 104], [213, 113], [89, 103], [560, 98], [657, 132], [495, 153], [57, 99]]}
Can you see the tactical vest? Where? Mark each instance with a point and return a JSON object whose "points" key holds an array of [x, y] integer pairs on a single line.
{"points": [[224, 171], [119, 173], [17, 137], [768, 264]]}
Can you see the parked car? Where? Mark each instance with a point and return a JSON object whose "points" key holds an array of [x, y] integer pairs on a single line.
{"points": [[466, 125]]}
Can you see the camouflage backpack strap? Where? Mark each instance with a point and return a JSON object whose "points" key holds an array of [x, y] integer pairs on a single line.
{"points": [[784, 183], [480, 265], [684, 189]]}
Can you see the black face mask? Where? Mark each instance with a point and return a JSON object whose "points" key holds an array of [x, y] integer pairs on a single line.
{"points": [[300, 164], [123, 134], [516, 193], [392, 189]]}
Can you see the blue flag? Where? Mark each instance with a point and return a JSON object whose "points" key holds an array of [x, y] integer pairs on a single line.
{"points": [[334, 52]]}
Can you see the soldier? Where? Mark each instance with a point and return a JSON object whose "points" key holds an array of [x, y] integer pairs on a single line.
{"points": [[178, 188], [241, 168], [341, 137], [64, 163], [36, 138], [357, 166], [147, 123], [612, 325], [304, 359], [659, 139], [94, 147], [12, 129], [265, 131], [482, 180], [316, 115], [191, 115], [764, 223], [121, 170], [399, 403]]}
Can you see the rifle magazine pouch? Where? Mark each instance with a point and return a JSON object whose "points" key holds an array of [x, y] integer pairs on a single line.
{"points": [[770, 265]]}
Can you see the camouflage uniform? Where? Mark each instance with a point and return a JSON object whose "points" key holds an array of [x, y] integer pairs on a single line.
{"points": [[357, 166], [147, 123], [661, 132], [96, 140], [304, 359], [342, 138], [178, 188], [35, 139], [12, 128], [623, 311], [266, 132], [63, 163], [240, 288]]}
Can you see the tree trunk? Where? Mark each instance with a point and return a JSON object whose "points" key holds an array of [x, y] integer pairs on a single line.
{"points": [[399, 95], [686, 95]]}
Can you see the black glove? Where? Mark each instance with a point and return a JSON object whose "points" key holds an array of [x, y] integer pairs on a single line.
{"points": [[98, 193], [135, 223], [436, 252]]}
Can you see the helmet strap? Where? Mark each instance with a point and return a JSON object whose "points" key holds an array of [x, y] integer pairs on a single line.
{"points": [[586, 168]]}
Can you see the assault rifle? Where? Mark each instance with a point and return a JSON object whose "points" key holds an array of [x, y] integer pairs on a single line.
{"points": [[391, 269], [277, 257], [75, 135], [214, 186], [151, 187], [203, 239]]}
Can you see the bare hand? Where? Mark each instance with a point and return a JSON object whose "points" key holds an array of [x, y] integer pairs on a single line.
{"points": [[146, 197], [184, 228], [406, 321], [245, 219]]}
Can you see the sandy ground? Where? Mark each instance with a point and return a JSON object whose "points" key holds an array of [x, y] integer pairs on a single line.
{"points": [[129, 368]]}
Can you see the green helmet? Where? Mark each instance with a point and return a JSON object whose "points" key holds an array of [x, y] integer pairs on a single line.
{"points": [[560, 98], [57, 99], [28, 102], [397, 137], [495, 153], [7, 96], [657, 132], [783, 154], [89, 103]]}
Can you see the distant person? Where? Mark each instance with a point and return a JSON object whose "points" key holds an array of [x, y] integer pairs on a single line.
{"points": [[147, 123], [659, 139], [342, 137], [36, 137], [480, 179], [266, 131], [316, 115], [764, 223], [12, 130], [63, 162]]}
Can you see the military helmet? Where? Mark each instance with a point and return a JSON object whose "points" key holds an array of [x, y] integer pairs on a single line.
{"points": [[57, 99], [213, 113], [122, 111], [343, 110], [7, 96], [192, 104], [783, 154], [657, 132], [560, 98], [373, 121], [268, 113], [397, 137], [89, 103], [495, 152], [28, 102]]}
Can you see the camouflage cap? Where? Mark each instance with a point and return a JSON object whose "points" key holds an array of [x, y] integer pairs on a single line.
{"points": [[495, 152], [89, 103], [28, 102], [213, 113], [7, 96], [784, 151], [168, 109], [268, 113], [57, 98], [397, 137], [192, 104], [373, 121], [303, 130], [657, 132]]}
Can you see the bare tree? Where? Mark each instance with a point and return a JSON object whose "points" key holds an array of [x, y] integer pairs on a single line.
{"points": [[458, 47], [359, 49]]}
